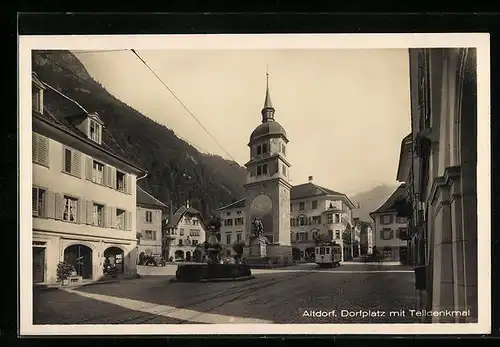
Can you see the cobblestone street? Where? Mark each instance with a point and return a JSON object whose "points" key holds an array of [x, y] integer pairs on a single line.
{"points": [[357, 293]]}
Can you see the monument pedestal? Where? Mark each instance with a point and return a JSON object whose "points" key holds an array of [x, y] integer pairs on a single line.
{"points": [[263, 255]]}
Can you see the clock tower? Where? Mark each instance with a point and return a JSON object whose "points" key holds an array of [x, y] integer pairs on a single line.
{"points": [[268, 184]]}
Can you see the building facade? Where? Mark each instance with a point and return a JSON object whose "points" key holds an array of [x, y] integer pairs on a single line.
{"points": [[390, 228], [84, 193], [439, 166], [184, 234], [366, 238], [232, 218], [149, 224], [316, 212]]}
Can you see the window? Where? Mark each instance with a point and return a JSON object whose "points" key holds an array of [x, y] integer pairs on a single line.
{"points": [[314, 204], [259, 150], [302, 236], [181, 231], [38, 202], [97, 172], [330, 235], [292, 222], [228, 239], [149, 235], [196, 222], [316, 220], [264, 148], [194, 242], [302, 206], [228, 222], [261, 169], [337, 218], [239, 235], [386, 219], [180, 242], [120, 219], [149, 216], [71, 163], [94, 131], [283, 169], [98, 215], [401, 220], [70, 212], [238, 221], [238, 212], [330, 218], [228, 213], [36, 99], [302, 221], [386, 234], [283, 149], [40, 149], [291, 207], [402, 234], [120, 181], [387, 252], [194, 232], [337, 234]]}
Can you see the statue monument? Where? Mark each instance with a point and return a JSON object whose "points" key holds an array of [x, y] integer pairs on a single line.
{"points": [[258, 243]]}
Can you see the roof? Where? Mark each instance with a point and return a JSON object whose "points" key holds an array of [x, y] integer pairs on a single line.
{"points": [[172, 222], [270, 127], [63, 113], [388, 205], [237, 204], [146, 199], [307, 190]]}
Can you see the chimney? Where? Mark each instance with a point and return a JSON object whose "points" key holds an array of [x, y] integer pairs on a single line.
{"points": [[187, 203], [310, 179]]}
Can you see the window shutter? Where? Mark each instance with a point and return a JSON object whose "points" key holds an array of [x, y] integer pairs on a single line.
{"points": [[107, 214], [88, 168], [49, 204], [59, 206], [82, 211], [105, 174], [34, 147], [76, 163], [128, 183], [43, 150], [128, 220], [112, 175], [113, 217], [90, 214]]}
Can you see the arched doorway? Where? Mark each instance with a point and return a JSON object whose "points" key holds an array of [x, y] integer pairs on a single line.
{"points": [[114, 257], [179, 255], [188, 256], [80, 257]]}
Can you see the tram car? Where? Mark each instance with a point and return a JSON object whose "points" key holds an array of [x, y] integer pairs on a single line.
{"points": [[328, 255]]}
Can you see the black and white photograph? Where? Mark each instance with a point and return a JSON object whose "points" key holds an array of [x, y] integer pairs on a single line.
{"points": [[255, 184]]}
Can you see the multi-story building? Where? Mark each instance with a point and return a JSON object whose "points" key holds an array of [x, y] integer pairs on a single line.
{"points": [[315, 211], [439, 166], [84, 192], [149, 223], [390, 228], [356, 230], [184, 234], [233, 224], [366, 238]]}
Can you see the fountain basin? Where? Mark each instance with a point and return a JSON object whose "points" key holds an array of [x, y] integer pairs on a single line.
{"points": [[212, 272]]}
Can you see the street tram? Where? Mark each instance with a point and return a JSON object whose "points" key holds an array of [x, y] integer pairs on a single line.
{"points": [[328, 255]]}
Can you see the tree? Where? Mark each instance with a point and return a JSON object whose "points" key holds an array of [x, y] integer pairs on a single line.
{"points": [[321, 239]]}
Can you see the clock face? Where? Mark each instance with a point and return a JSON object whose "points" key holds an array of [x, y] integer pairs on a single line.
{"points": [[261, 205]]}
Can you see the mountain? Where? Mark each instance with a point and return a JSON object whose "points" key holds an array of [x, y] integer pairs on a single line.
{"points": [[372, 199], [176, 170]]}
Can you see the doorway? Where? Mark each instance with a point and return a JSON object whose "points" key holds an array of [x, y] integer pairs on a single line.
{"points": [[80, 257], [38, 264], [113, 256]]}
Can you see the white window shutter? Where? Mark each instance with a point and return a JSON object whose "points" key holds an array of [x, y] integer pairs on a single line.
{"points": [[113, 217], [90, 214], [59, 206], [105, 174], [107, 215], [43, 150], [112, 175], [50, 204], [76, 163], [34, 147], [82, 215], [88, 168], [128, 184], [128, 220]]}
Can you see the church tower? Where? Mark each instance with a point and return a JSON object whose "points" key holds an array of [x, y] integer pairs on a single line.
{"points": [[268, 184]]}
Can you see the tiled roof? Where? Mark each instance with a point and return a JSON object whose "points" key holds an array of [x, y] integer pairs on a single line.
{"points": [[237, 204], [310, 189], [144, 198], [388, 205], [64, 113], [172, 222]]}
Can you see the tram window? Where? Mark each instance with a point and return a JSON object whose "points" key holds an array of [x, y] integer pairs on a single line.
{"points": [[322, 250], [327, 250], [317, 250]]}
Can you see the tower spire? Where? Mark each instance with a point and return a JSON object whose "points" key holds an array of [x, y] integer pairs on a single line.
{"points": [[268, 110]]}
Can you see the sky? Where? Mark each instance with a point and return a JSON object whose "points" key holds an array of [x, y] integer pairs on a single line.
{"points": [[345, 111]]}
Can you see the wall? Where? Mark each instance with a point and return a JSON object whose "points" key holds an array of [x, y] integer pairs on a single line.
{"points": [[155, 225]]}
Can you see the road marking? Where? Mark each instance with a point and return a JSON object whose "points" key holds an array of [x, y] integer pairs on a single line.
{"points": [[170, 311]]}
